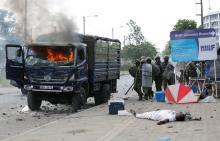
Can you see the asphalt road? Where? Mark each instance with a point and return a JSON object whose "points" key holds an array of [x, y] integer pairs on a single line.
{"points": [[95, 124], [13, 122]]}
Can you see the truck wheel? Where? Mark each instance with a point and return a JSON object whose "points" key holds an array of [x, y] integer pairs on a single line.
{"points": [[23, 91], [75, 102], [98, 98], [33, 100], [105, 93], [82, 96]]}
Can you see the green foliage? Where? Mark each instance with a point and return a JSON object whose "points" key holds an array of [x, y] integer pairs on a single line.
{"points": [[166, 51], [185, 24], [135, 36], [136, 51], [137, 45], [182, 24]]}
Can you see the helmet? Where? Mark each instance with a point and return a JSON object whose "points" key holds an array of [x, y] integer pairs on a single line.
{"points": [[148, 58], [143, 57], [156, 57], [166, 57]]}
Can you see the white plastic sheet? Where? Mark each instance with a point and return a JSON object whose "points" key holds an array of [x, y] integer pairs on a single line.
{"points": [[124, 113], [208, 99], [25, 109]]}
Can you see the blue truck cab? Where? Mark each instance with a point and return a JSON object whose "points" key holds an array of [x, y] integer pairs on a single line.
{"points": [[66, 73]]}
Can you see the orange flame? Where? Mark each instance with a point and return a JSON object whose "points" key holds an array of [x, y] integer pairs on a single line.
{"points": [[52, 56]]}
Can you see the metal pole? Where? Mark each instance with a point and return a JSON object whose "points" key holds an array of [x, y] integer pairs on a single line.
{"points": [[201, 14], [84, 25], [25, 19], [129, 89], [216, 94], [112, 33], [124, 40]]}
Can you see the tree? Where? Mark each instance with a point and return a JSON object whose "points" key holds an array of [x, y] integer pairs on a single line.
{"points": [[137, 45], [185, 24], [132, 52], [135, 35], [167, 50], [182, 24]]}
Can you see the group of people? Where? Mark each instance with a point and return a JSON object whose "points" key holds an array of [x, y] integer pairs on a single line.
{"points": [[147, 70]]}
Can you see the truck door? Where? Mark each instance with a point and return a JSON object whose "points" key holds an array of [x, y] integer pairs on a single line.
{"points": [[15, 64]]}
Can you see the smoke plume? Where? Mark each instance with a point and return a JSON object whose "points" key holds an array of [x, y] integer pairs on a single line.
{"points": [[42, 21]]}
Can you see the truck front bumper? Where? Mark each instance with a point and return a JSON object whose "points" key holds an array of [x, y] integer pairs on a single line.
{"points": [[49, 88]]}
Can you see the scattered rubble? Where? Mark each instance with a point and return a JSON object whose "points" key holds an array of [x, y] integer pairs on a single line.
{"points": [[19, 119], [170, 126], [24, 110], [198, 130], [171, 131]]}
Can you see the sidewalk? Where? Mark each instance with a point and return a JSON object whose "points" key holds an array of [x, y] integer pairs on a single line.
{"points": [[96, 125], [8, 90]]}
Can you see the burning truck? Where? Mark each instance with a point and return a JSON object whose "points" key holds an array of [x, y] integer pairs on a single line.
{"points": [[65, 73]]}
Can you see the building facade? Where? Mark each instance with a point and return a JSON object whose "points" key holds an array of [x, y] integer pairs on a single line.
{"points": [[212, 20]]}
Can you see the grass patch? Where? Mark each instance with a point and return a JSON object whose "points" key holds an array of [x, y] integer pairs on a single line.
{"points": [[4, 82]]}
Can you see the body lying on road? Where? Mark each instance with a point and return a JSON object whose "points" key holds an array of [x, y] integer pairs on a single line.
{"points": [[164, 116]]}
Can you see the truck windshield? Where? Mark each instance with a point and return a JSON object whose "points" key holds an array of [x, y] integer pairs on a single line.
{"points": [[50, 56]]}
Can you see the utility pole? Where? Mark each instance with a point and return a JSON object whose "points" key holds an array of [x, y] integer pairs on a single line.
{"points": [[201, 14], [25, 19], [84, 22], [84, 25], [112, 33]]}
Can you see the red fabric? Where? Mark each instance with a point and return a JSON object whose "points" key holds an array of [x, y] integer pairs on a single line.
{"points": [[183, 91], [169, 95]]}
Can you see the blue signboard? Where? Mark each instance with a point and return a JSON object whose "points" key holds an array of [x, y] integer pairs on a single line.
{"points": [[193, 45]]}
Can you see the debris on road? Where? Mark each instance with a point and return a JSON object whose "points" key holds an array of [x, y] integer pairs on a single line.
{"points": [[4, 114], [19, 119], [208, 99], [170, 126], [124, 113], [198, 130], [172, 131], [24, 110], [126, 98], [37, 116], [166, 138]]}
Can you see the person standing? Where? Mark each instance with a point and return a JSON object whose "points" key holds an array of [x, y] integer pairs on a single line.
{"points": [[137, 79], [147, 78], [158, 78], [168, 73]]}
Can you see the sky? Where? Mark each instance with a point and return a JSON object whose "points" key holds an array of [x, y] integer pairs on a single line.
{"points": [[155, 17]]}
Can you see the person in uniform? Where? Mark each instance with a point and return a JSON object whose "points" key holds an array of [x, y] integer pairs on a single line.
{"points": [[137, 79], [168, 73], [158, 78], [147, 78]]}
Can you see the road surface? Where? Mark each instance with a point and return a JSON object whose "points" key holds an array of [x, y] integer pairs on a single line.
{"points": [[95, 124], [13, 122]]}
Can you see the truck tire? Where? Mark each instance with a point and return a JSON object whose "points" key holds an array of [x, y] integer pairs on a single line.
{"points": [[105, 93], [75, 102], [98, 98], [33, 100], [23, 91], [82, 97]]}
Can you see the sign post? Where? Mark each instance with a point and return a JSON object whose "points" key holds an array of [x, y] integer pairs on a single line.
{"points": [[194, 45]]}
